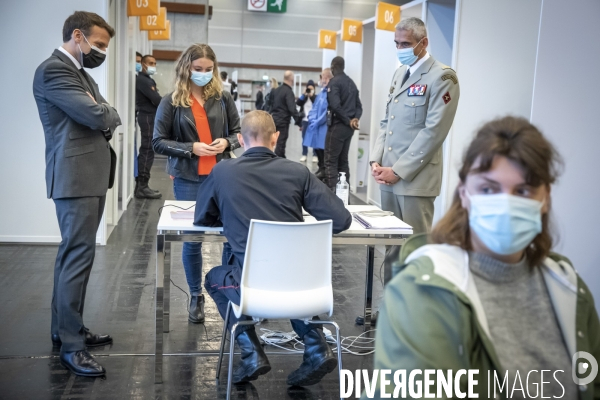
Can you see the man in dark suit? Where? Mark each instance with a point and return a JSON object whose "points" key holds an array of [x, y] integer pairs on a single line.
{"points": [[284, 108], [78, 123], [256, 177]]}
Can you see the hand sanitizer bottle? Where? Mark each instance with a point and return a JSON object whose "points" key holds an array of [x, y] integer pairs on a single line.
{"points": [[342, 189]]}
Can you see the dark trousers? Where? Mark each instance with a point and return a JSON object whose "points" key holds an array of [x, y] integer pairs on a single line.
{"points": [[304, 128], [146, 154], [222, 284], [337, 144], [320, 157], [78, 219], [284, 132]]}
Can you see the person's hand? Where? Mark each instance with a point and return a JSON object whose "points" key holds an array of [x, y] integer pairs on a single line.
{"points": [[202, 149], [384, 175], [219, 145], [354, 123], [91, 97]]}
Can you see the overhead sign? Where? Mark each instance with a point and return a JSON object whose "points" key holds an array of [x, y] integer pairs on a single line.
{"points": [[272, 6], [138, 8], [352, 30], [154, 22], [388, 16], [327, 39], [165, 34]]}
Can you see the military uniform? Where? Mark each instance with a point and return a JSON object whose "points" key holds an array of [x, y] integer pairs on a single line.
{"points": [[419, 114]]}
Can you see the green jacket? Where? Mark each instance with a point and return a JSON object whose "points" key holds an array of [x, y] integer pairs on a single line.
{"points": [[432, 317]]}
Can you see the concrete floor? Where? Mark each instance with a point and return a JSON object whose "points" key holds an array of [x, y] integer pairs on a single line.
{"points": [[120, 303]]}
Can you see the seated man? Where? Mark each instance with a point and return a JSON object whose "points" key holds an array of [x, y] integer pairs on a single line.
{"points": [[260, 185]]}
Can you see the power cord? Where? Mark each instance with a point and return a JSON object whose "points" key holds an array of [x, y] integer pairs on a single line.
{"points": [[173, 205], [278, 338]]}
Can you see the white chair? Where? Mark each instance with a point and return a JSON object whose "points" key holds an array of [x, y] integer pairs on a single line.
{"points": [[286, 275]]}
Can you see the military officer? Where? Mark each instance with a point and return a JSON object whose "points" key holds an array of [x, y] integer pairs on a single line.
{"points": [[407, 157]]}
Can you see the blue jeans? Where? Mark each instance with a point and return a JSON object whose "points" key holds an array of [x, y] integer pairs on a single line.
{"points": [[192, 252]]}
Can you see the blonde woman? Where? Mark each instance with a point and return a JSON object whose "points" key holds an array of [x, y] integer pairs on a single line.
{"points": [[196, 127]]}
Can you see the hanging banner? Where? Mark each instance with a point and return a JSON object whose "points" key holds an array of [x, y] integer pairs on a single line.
{"points": [[388, 15], [327, 39], [138, 8], [352, 30], [165, 34], [154, 22]]}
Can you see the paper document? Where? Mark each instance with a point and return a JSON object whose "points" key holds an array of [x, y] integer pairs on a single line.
{"points": [[381, 221], [182, 214]]}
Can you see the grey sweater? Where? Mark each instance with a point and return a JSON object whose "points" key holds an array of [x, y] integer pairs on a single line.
{"points": [[523, 327]]}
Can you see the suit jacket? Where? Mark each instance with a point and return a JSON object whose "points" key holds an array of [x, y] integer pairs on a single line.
{"points": [[79, 160], [415, 126]]}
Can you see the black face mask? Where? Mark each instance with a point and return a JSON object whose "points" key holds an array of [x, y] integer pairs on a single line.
{"points": [[92, 59]]}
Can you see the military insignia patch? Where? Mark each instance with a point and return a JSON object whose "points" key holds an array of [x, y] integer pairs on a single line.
{"points": [[417, 90], [451, 77], [446, 98]]}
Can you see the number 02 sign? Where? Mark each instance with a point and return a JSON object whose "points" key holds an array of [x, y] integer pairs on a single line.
{"points": [[327, 39], [154, 22], [138, 8], [352, 30], [388, 16]]}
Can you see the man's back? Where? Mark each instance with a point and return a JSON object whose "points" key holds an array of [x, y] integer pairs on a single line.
{"points": [[260, 185], [344, 99], [284, 104]]}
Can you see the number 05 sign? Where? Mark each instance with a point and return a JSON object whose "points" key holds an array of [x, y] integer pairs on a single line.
{"points": [[388, 16], [352, 30], [138, 8], [154, 22]]}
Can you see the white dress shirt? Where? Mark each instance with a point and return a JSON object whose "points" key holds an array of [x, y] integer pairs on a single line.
{"points": [[77, 64], [416, 65]]}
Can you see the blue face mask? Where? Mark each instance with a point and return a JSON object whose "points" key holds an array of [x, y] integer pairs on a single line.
{"points": [[407, 56], [151, 70], [138, 67], [201, 78], [506, 224]]}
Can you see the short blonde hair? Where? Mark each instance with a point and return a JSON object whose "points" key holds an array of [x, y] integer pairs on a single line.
{"points": [[257, 126]]}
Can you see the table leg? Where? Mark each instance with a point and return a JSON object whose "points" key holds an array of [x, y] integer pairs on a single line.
{"points": [[159, 307], [369, 287], [167, 287]]}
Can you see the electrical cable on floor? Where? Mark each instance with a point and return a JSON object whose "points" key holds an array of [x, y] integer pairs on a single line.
{"points": [[188, 306], [173, 205], [277, 338]]}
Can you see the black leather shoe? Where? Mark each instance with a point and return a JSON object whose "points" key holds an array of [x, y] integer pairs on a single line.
{"points": [[144, 192], [318, 360], [320, 173], [196, 313], [91, 339], [81, 363], [254, 360]]}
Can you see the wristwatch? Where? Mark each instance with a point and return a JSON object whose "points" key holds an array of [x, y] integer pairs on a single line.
{"points": [[397, 176], [371, 163]]}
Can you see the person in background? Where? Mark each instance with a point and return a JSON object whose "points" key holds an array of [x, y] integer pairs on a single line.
{"points": [[80, 167], [486, 281], [316, 130], [256, 177], [226, 84], [260, 98], [284, 108], [305, 102], [406, 160], [346, 110], [147, 100], [268, 106], [138, 62], [196, 127]]}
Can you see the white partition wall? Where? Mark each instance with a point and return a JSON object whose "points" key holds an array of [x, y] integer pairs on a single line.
{"points": [[353, 57], [328, 55], [570, 123]]}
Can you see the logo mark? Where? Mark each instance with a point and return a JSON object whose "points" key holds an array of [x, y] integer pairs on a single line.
{"points": [[581, 367]]}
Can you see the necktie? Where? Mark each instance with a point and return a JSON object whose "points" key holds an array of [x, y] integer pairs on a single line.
{"points": [[90, 86], [405, 77]]}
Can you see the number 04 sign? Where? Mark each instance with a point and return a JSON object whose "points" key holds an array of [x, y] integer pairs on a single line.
{"points": [[388, 16], [352, 30], [154, 22], [138, 8], [327, 39]]}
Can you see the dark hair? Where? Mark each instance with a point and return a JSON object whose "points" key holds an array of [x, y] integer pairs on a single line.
{"points": [[338, 63], [521, 142], [138, 54], [147, 56], [223, 75], [84, 21]]}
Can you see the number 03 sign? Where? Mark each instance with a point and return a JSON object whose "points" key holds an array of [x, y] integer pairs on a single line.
{"points": [[388, 16], [138, 8], [352, 30], [154, 22]]}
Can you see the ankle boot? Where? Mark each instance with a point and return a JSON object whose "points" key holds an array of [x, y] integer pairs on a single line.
{"points": [[254, 360], [143, 191], [318, 360], [196, 313]]}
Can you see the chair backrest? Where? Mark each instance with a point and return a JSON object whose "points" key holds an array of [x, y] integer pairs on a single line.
{"points": [[287, 270]]}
